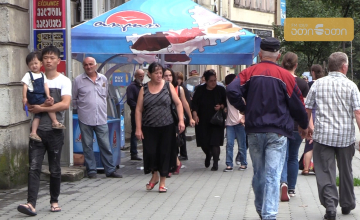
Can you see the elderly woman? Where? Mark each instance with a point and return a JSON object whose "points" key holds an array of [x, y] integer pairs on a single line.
{"points": [[207, 100], [155, 126]]}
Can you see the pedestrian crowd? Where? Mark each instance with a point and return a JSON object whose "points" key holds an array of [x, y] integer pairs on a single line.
{"points": [[267, 108]]}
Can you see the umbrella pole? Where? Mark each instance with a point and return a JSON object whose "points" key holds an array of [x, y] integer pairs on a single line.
{"points": [[162, 59]]}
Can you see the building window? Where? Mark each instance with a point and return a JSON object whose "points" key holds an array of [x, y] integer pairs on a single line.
{"points": [[237, 3], [258, 5], [88, 9]]}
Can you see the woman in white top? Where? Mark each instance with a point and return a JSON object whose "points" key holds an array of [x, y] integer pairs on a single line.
{"points": [[235, 128]]}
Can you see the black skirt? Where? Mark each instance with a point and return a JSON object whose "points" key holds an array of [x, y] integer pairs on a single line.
{"points": [[159, 149]]}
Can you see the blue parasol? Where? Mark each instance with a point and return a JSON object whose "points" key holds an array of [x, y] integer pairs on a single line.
{"points": [[170, 31]]}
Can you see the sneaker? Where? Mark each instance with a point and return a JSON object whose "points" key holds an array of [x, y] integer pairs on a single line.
{"points": [[115, 175], [284, 196], [242, 168], [228, 169], [92, 175], [291, 192]]}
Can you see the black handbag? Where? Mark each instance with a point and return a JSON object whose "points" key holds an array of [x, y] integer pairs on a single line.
{"points": [[218, 118], [186, 117], [172, 106], [179, 139]]}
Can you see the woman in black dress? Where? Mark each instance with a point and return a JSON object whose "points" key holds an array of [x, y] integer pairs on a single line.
{"points": [[207, 100]]}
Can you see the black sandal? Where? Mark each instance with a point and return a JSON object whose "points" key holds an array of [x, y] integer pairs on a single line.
{"points": [[26, 210]]}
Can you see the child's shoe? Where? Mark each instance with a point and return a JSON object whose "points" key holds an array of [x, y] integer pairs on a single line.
{"points": [[35, 137], [58, 126]]}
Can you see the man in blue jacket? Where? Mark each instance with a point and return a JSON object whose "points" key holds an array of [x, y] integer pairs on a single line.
{"points": [[132, 92], [272, 99]]}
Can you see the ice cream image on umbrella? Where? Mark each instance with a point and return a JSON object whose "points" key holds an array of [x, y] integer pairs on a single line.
{"points": [[211, 30]]}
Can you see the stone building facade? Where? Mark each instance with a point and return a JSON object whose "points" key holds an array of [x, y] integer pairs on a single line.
{"points": [[14, 125]]}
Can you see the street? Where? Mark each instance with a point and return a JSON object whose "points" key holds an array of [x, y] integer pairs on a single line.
{"points": [[197, 193]]}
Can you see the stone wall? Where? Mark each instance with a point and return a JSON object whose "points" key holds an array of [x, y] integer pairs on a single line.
{"points": [[14, 125]]}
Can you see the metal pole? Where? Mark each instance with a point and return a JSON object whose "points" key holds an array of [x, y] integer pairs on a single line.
{"points": [[352, 73], [31, 16], [69, 113], [162, 59]]}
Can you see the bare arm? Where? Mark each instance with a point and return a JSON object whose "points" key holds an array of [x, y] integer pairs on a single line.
{"points": [[357, 117], [311, 125], [47, 90], [179, 108], [138, 114], [25, 88], [57, 107], [186, 106]]}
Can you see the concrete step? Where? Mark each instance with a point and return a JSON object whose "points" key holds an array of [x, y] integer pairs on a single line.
{"points": [[68, 174]]}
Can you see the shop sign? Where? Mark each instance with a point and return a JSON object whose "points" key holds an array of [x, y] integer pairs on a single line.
{"points": [[44, 38], [49, 14], [121, 79]]}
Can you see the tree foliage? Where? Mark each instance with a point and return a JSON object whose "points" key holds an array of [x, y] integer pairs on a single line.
{"points": [[316, 52]]}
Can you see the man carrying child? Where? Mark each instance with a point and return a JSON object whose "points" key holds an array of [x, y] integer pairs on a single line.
{"points": [[52, 139]]}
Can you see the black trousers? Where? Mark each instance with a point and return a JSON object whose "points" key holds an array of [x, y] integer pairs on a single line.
{"points": [[325, 167], [52, 142]]}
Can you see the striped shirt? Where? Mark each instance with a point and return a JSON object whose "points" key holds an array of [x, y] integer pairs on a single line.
{"points": [[157, 112], [335, 98]]}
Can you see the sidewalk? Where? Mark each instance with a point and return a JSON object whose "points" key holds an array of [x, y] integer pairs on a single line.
{"points": [[197, 193]]}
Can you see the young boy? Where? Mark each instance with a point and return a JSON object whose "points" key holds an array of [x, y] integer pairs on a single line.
{"points": [[235, 128], [36, 91]]}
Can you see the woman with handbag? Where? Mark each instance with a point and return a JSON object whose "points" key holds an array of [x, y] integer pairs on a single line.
{"points": [[207, 101], [170, 77], [180, 79], [156, 128]]}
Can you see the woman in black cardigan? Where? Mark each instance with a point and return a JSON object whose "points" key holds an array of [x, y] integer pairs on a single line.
{"points": [[207, 100]]}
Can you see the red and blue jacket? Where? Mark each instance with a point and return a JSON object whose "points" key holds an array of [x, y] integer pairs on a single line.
{"points": [[272, 98]]}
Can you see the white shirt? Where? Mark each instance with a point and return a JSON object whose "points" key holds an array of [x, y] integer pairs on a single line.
{"points": [[233, 115], [27, 80], [335, 98]]}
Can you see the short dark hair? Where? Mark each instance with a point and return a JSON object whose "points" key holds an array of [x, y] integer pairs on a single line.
{"points": [[209, 73], [229, 78], [318, 70], [153, 66], [33, 55], [51, 50], [174, 81], [289, 61]]}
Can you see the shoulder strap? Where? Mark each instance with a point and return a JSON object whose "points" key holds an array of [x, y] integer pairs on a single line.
{"points": [[145, 88], [168, 87], [31, 77]]}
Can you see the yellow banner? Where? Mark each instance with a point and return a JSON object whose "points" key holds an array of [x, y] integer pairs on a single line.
{"points": [[319, 29]]}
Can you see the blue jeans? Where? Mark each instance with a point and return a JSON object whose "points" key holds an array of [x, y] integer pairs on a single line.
{"points": [[238, 132], [102, 135], [291, 166], [267, 152]]}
